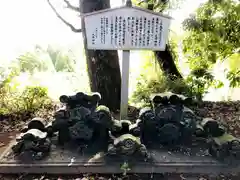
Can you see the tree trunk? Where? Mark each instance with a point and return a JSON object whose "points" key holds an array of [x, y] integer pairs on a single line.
{"points": [[166, 62], [103, 66]]}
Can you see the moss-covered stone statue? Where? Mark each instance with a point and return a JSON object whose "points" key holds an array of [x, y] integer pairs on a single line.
{"points": [[33, 143], [81, 99], [81, 124], [225, 146], [125, 140], [127, 145], [170, 121]]}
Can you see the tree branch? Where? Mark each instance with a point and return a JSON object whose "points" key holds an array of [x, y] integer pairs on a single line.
{"points": [[63, 20], [70, 6]]}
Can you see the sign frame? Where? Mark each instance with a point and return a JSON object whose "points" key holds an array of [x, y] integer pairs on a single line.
{"points": [[107, 45]]}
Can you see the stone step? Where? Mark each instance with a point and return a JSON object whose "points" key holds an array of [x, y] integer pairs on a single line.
{"points": [[70, 161]]}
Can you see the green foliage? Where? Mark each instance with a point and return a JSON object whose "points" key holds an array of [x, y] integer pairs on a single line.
{"points": [[158, 5], [212, 33], [31, 62], [42, 60], [125, 168], [234, 78], [13, 101], [6, 77], [61, 61], [200, 80], [34, 97], [195, 85], [153, 81]]}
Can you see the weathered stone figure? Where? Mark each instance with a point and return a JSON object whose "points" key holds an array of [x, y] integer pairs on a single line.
{"points": [[125, 140], [82, 120], [33, 143], [170, 121]]}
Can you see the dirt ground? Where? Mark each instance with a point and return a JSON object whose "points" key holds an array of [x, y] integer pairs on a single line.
{"points": [[5, 139]]}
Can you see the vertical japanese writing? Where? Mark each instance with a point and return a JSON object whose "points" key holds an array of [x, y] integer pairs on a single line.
{"points": [[136, 32], [140, 34], [128, 33], [160, 33], [156, 32], [101, 30], [129, 24], [94, 36], [104, 30], [132, 31], [148, 31], [152, 29], [124, 32], [111, 30], [116, 30], [93, 39], [120, 31], [127, 28], [145, 31], [107, 25]]}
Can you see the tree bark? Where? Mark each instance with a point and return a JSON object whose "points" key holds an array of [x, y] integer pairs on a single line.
{"points": [[166, 62], [103, 66]]}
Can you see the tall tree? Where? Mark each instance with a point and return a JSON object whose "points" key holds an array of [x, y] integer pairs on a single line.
{"points": [[164, 58], [103, 66]]}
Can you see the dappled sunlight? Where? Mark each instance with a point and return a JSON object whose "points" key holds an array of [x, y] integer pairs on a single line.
{"points": [[57, 83]]}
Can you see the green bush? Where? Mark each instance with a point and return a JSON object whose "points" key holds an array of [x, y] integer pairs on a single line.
{"points": [[13, 101], [157, 84], [153, 81], [234, 78], [33, 98]]}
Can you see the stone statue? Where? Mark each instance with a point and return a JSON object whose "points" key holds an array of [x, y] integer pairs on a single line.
{"points": [[81, 99], [224, 146], [127, 145], [169, 121], [125, 140], [33, 143], [167, 124], [80, 124]]}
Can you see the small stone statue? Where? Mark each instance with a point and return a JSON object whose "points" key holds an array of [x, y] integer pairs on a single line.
{"points": [[211, 127], [127, 145], [125, 140], [170, 98], [81, 99], [225, 146], [33, 143], [169, 122], [163, 127], [81, 124]]}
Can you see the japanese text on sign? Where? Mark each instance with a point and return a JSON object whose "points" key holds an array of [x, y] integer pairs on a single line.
{"points": [[126, 28]]}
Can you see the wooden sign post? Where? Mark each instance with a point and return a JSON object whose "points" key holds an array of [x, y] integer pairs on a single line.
{"points": [[126, 28]]}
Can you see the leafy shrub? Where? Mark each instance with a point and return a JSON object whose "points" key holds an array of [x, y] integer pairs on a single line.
{"points": [[31, 99], [234, 78], [200, 80], [194, 85], [158, 84], [34, 97]]}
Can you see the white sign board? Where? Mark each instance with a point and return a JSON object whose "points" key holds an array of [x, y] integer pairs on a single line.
{"points": [[126, 28]]}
